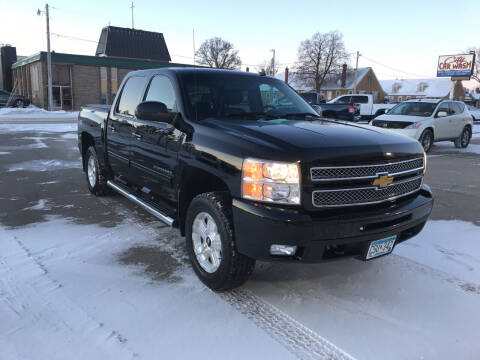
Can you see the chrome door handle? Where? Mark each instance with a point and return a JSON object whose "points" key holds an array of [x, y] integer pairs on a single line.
{"points": [[137, 135], [111, 127]]}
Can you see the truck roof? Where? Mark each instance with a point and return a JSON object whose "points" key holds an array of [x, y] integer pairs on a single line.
{"points": [[192, 70]]}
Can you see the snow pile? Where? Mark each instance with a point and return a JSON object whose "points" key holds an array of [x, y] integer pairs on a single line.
{"points": [[33, 112]]}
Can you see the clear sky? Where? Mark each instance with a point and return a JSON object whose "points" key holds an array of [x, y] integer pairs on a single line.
{"points": [[406, 35]]}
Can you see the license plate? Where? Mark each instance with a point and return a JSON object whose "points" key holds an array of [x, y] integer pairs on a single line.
{"points": [[380, 247]]}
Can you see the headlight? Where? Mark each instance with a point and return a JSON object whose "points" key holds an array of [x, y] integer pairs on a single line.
{"points": [[271, 181], [414, 125], [424, 162]]}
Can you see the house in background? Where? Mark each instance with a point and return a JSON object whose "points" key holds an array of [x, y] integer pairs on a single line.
{"points": [[79, 80], [436, 88], [340, 82]]}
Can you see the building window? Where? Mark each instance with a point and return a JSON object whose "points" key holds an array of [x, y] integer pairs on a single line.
{"points": [[114, 81], [103, 85], [329, 95], [400, 98], [337, 93]]}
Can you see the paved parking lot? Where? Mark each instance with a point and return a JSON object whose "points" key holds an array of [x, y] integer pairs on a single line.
{"points": [[100, 264]]}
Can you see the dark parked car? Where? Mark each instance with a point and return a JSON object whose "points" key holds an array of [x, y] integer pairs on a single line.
{"points": [[14, 100], [247, 170]]}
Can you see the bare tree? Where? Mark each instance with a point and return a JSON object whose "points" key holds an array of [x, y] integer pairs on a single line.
{"points": [[319, 57], [476, 69], [218, 53]]}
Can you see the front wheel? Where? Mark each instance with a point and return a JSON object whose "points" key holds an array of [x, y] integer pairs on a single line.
{"points": [[426, 139], [464, 139], [211, 243], [19, 104]]}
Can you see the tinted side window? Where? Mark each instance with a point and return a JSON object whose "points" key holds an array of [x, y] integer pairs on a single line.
{"points": [[344, 100], [360, 99], [131, 95], [161, 89]]}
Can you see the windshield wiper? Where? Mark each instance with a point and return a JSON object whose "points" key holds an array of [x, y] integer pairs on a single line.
{"points": [[254, 115], [303, 115]]}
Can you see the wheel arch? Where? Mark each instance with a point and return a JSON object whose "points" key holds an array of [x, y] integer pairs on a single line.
{"points": [[193, 182], [87, 141]]}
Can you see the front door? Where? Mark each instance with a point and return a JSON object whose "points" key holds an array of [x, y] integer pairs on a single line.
{"points": [[66, 95], [120, 127], [443, 124], [153, 156]]}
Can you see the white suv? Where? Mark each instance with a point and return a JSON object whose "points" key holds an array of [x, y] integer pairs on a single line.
{"points": [[429, 120]]}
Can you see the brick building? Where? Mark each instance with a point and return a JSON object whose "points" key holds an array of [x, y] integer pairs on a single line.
{"points": [[79, 80]]}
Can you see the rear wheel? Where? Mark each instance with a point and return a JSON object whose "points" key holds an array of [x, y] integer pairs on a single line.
{"points": [[19, 104], [426, 139], [211, 243], [96, 179], [464, 139]]}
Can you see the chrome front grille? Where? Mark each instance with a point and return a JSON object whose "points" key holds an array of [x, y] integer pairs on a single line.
{"points": [[365, 195], [366, 171]]}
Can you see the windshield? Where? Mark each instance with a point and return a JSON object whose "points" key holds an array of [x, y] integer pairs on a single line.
{"points": [[236, 96], [413, 109]]}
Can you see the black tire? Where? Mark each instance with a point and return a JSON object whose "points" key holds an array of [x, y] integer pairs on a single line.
{"points": [[234, 268], [19, 103], [426, 140], [97, 185], [464, 138]]}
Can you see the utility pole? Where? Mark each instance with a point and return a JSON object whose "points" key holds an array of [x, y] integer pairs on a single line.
{"points": [[355, 78], [273, 62], [131, 7], [49, 61]]}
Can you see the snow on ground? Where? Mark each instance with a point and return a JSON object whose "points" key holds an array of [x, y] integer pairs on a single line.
{"points": [[40, 128], [434, 247], [33, 112], [64, 295], [45, 165], [79, 291]]}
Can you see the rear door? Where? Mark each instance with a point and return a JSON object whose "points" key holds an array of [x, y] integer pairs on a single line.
{"points": [[154, 157], [120, 126]]}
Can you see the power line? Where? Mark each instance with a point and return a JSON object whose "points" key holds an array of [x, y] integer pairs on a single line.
{"points": [[394, 69]]}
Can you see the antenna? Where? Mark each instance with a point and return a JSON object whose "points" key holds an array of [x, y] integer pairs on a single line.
{"points": [[131, 7]]}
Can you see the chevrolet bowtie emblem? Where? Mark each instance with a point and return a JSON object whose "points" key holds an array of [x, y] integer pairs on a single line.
{"points": [[382, 181]]}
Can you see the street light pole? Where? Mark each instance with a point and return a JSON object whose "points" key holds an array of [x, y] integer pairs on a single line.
{"points": [[49, 62], [355, 78]]}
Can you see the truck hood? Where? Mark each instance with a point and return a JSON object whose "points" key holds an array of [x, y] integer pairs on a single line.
{"points": [[317, 141]]}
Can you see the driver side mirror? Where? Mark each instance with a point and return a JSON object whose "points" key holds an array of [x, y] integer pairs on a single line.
{"points": [[154, 111], [441, 114]]}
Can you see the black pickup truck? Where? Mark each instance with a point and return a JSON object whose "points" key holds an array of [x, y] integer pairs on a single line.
{"points": [[247, 171]]}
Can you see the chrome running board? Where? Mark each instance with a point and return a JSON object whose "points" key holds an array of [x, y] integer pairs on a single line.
{"points": [[166, 219]]}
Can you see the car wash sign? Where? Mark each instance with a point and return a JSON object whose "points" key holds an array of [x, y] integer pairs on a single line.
{"points": [[455, 65]]}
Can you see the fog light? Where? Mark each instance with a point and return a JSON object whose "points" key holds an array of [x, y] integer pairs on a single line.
{"points": [[284, 250]]}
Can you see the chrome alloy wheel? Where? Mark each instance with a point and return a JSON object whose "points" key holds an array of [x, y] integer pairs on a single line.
{"points": [[91, 171], [207, 244]]}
